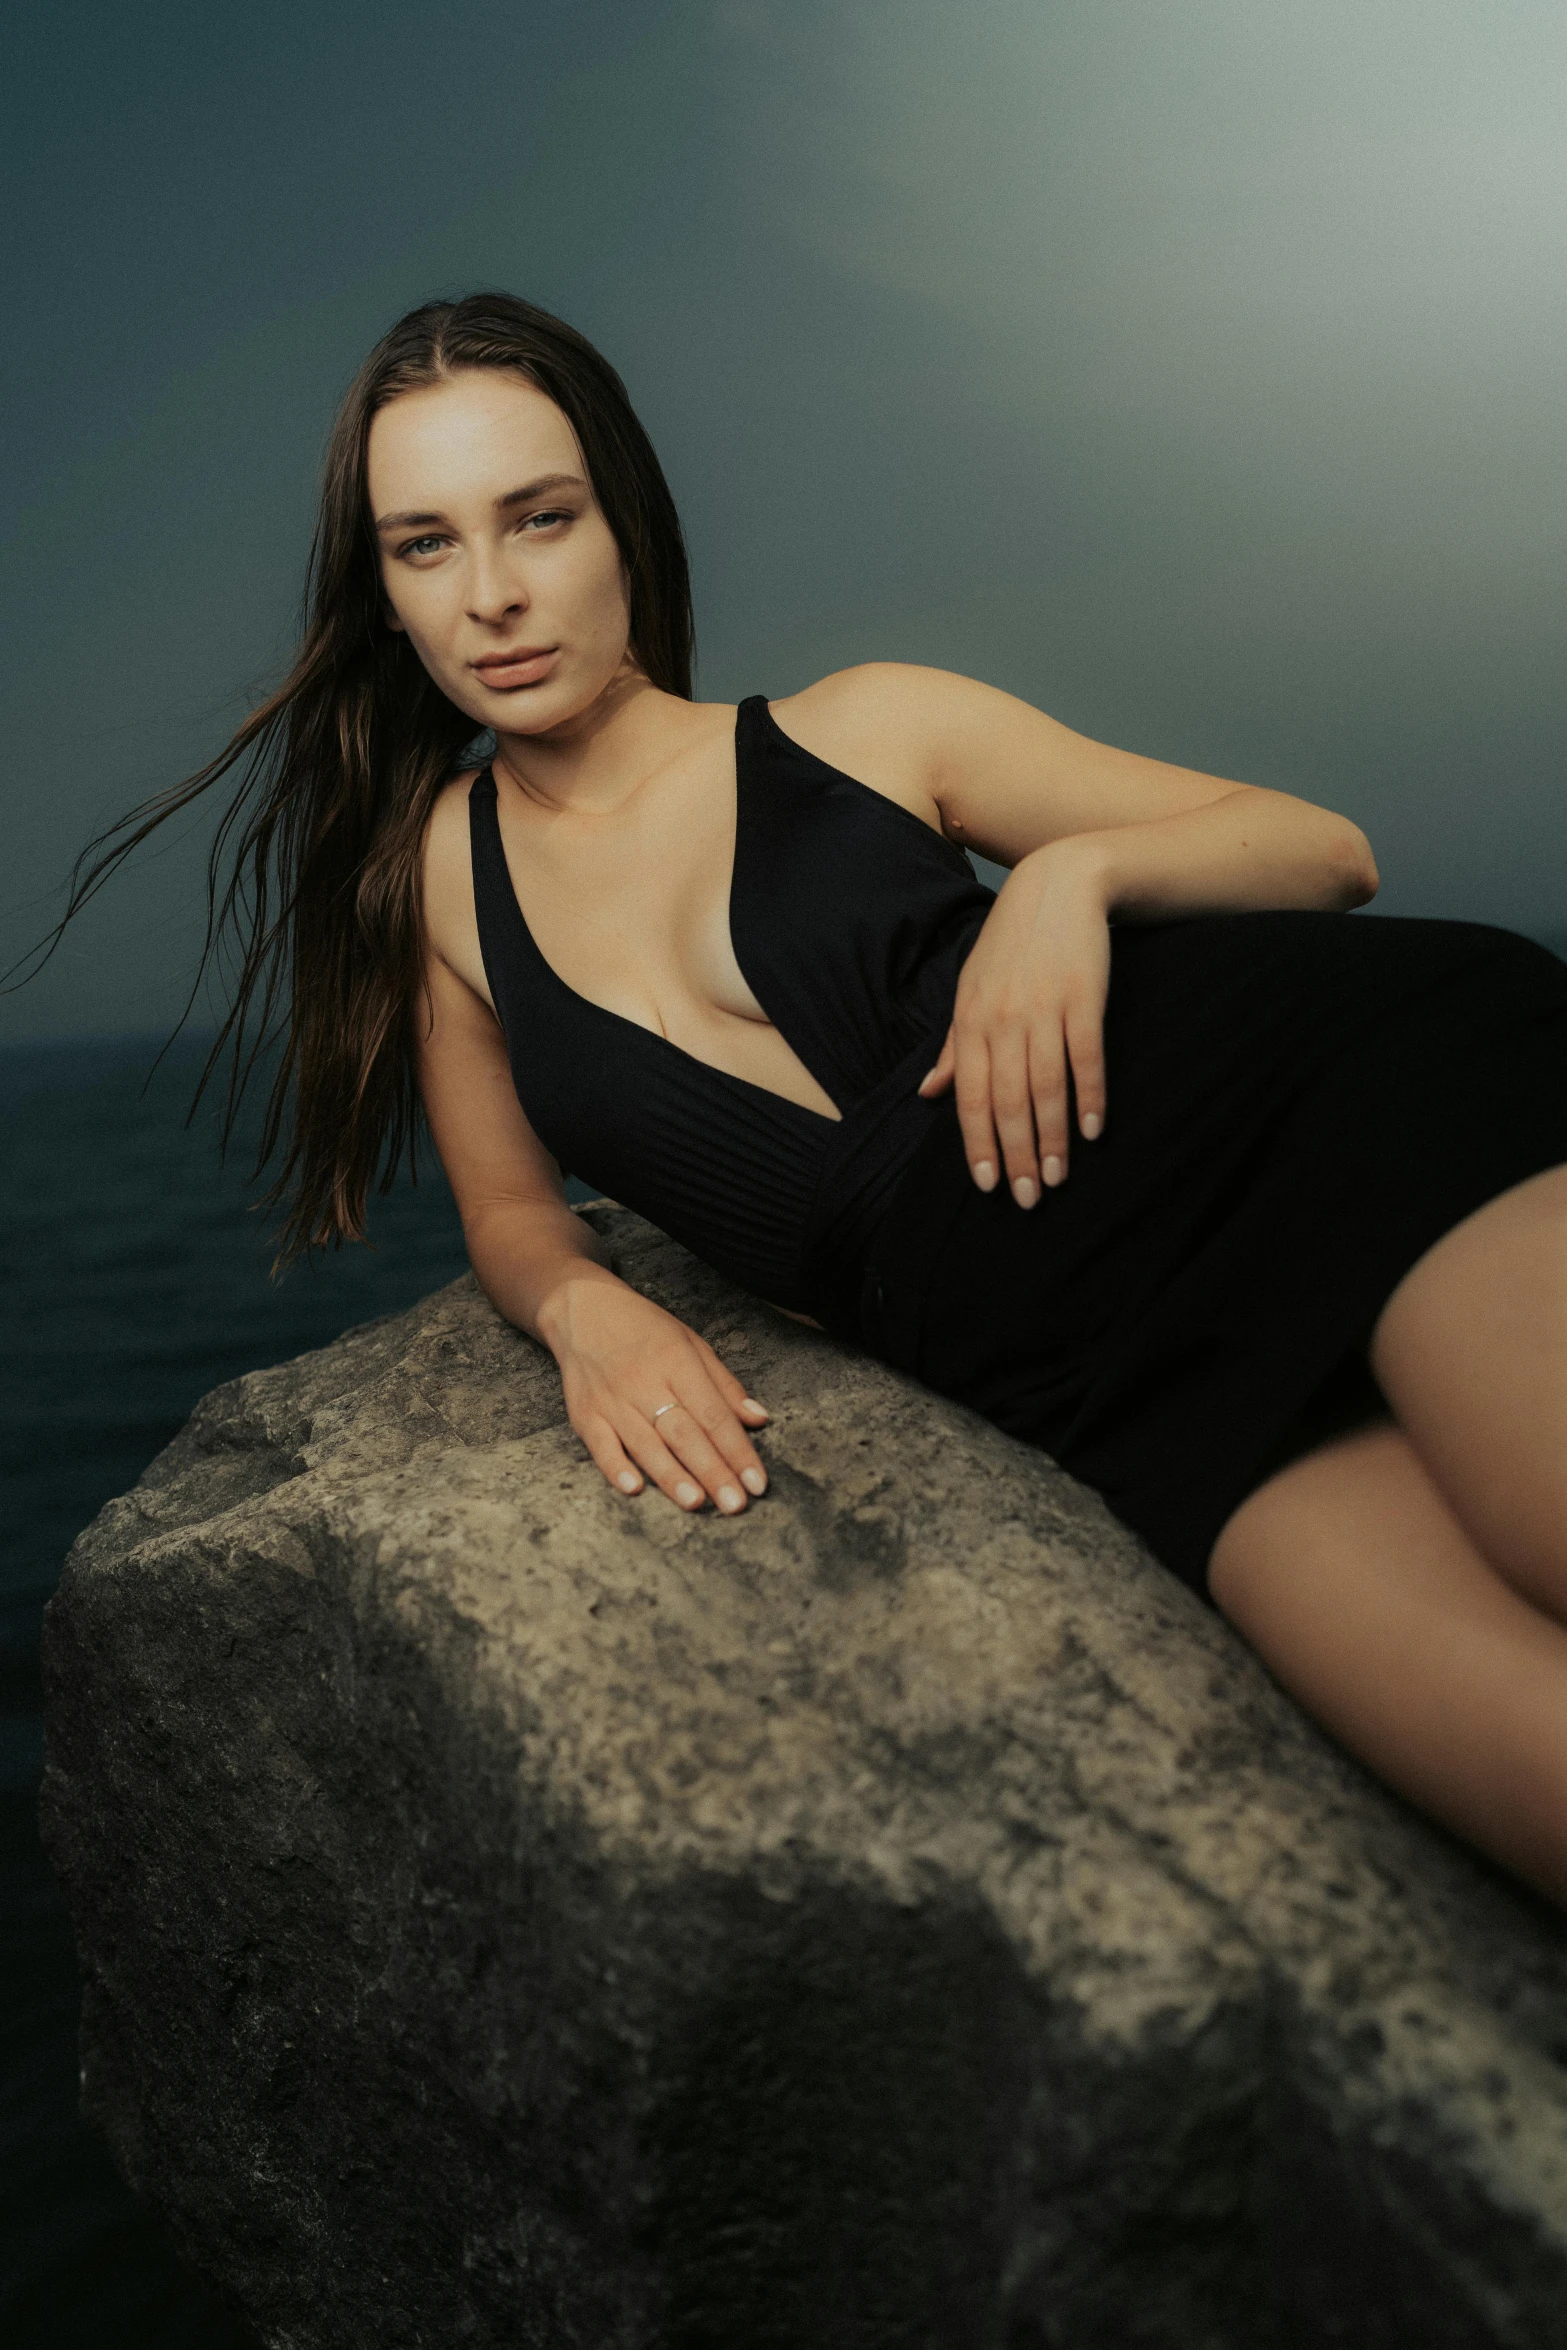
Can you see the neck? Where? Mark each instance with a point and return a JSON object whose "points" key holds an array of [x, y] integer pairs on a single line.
{"points": [[591, 763]]}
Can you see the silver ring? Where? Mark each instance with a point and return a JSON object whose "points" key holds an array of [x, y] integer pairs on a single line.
{"points": [[663, 1408]]}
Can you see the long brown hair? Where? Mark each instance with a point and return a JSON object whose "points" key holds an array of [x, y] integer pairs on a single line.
{"points": [[314, 867]]}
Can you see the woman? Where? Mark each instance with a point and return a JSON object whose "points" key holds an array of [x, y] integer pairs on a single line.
{"points": [[1256, 1218]]}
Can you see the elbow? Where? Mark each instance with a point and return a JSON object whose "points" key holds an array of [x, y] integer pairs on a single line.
{"points": [[1355, 876]]}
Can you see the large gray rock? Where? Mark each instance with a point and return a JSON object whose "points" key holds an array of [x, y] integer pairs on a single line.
{"points": [[901, 1916]]}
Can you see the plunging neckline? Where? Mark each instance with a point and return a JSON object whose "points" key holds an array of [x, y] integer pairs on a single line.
{"points": [[656, 1036]]}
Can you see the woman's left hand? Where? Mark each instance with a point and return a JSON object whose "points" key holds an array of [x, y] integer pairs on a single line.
{"points": [[1030, 1009]]}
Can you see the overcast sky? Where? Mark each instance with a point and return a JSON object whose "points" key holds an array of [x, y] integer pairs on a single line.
{"points": [[1192, 367]]}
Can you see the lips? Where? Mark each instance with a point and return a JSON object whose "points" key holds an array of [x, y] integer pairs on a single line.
{"points": [[524, 665]]}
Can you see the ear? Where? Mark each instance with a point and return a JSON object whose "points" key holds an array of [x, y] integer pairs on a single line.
{"points": [[392, 620]]}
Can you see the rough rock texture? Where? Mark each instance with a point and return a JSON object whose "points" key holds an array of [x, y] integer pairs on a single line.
{"points": [[900, 1917]]}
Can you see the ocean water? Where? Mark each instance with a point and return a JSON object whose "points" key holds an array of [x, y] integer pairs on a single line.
{"points": [[134, 1276]]}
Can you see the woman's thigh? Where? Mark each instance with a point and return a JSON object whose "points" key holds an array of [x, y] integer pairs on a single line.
{"points": [[1354, 1580], [1471, 1353]]}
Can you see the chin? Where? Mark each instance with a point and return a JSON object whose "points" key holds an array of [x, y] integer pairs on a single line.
{"points": [[522, 710], [533, 709]]}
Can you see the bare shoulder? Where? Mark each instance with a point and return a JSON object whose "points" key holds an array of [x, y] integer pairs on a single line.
{"points": [[903, 694], [996, 773], [450, 923], [905, 729]]}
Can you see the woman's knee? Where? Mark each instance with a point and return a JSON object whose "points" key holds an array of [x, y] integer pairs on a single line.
{"points": [[1494, 1277], [1365, 1597], [1281, 1550], [1471, 1351]]}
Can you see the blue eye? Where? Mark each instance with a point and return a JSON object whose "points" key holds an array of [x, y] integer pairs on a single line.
{"points": [[415, 546]]}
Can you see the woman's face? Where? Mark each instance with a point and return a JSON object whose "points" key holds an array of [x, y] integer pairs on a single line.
{"points": [[494, 554]]}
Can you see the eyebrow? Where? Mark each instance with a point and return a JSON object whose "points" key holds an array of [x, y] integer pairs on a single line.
{"points": [[529, 489]]}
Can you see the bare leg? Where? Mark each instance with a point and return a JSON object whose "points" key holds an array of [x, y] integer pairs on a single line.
{"points": [[1409, 1582], [1354, 1580], [1471, 1353]]}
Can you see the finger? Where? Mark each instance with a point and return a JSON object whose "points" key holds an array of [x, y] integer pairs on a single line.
{"points": [[724, 1427], [1013, 1109], [704, 1434], [648, 1449], [611, 1456], [682, 1460], [1085, 1044], [971, 1087], [1047, 1085], [939, 1077]]}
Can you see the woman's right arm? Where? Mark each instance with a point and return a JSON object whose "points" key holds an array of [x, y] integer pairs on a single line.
{"points": [[621, 1356]]}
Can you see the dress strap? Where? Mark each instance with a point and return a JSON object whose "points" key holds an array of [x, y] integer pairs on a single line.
{"points": [[513, 964]]}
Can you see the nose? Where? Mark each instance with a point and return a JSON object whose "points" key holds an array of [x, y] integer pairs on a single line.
{"points": [[494, 592]]}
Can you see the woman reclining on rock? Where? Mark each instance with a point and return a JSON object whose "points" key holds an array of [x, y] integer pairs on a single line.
{"points": [[1253, 1216]]}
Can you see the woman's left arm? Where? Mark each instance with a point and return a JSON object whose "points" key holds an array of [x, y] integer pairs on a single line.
{"points": [[1092, 834]]}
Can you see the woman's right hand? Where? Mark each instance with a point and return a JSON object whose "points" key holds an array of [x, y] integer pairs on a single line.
{"points": [[622, 1359]]}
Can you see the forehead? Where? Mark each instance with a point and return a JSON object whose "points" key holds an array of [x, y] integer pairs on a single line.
{"points": [[476, 435]]}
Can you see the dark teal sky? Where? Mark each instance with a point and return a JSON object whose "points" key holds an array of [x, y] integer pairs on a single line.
{"points": [[1194, 370]]}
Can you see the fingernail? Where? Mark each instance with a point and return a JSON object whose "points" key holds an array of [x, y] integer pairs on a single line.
{"points": [[754, 1480], [688, 1495], [730, 1497], [1092, 1125], [629, 1481], [1023, 1190], [925, 1080], [985, 1175], [1053, 1171], [752, 1405]]}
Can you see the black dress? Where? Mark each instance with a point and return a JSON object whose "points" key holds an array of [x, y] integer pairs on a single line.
{"points": [[1299, 1105]]}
